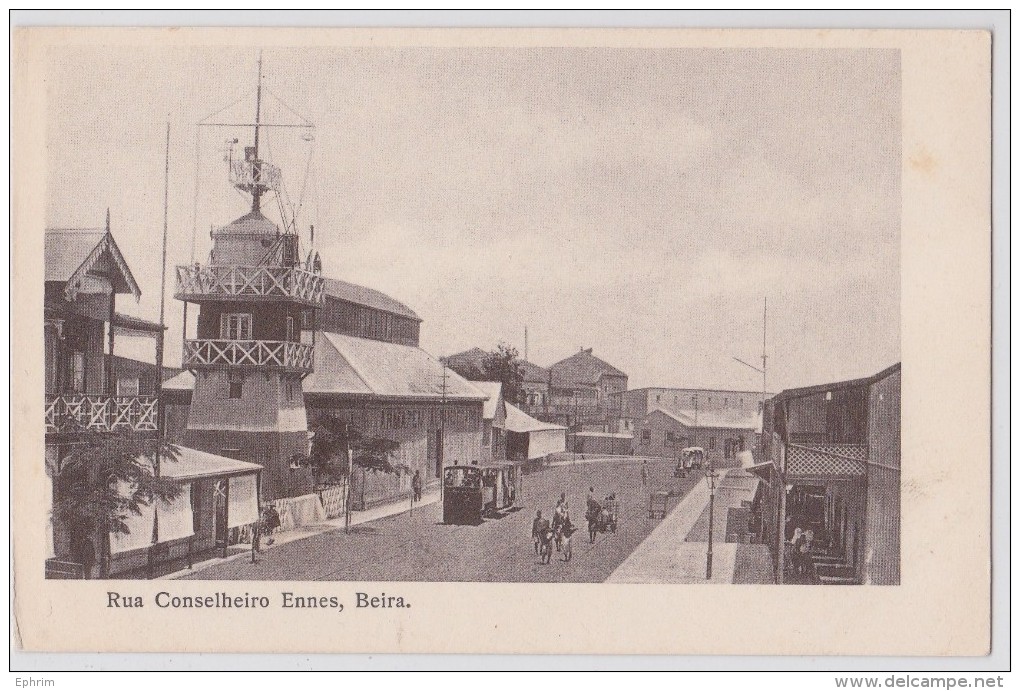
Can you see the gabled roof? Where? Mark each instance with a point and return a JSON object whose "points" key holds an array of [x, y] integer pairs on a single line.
{"points": [[519, 421], [71, 253], [369, 297], [582, 368], [360, 366], [787, 394]]}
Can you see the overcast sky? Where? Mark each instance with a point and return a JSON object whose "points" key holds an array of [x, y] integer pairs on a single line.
{"points": [[638, 202]]}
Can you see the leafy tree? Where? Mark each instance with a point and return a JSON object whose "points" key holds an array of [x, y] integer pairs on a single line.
{"points": [[504, 365], [331, 437], [89, 499]]}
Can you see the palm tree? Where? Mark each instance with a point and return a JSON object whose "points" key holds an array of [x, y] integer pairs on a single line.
{"points": [[105, 478]]}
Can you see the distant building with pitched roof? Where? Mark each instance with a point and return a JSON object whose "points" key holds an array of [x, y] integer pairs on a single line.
{"points": [[470, 364], [583, 392]]}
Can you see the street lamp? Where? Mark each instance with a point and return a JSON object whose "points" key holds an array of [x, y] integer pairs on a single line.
{"points": [[710, 478]]}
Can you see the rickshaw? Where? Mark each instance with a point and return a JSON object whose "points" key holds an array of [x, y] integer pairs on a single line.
{"points": [[602, 517], [691, 458], [472, 492]]}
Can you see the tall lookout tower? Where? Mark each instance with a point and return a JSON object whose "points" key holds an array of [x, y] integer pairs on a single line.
{"points": [[255, 332]]}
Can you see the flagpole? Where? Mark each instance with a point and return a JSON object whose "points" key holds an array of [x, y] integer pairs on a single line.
{"points": [[160, 337]]}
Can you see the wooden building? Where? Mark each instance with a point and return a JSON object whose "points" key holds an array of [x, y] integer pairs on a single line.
{"points": [[721, 434], [835, 451], [383, 387], [635, 404], [493, 421], [91, 390], [583, 393]]}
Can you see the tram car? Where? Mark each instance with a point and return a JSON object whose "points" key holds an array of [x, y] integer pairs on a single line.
{"points": [[472, 492]]}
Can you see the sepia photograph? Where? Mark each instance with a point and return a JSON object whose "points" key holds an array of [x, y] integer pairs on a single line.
{"points": [[467, 331], [475, 315]]}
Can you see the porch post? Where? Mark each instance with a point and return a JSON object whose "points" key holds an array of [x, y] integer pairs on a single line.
{"points": [[111, 380]]}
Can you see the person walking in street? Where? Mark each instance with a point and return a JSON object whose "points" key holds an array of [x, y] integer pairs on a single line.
{"points": [[566, 531], [256, 538], [538, 527], [416, 486], [644, 473], [272, 522]]}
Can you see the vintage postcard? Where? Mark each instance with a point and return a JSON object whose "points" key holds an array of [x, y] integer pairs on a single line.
{"points": [[507, 341]]}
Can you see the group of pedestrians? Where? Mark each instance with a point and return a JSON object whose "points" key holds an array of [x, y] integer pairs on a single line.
{"points": [[546, 534]]}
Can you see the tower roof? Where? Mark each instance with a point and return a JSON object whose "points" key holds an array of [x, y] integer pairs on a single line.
{"points": [[252, 223]]}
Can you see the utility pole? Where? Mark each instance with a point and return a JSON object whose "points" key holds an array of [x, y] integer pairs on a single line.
{"points": [[710, 479], [350, 478], [441, 447]]}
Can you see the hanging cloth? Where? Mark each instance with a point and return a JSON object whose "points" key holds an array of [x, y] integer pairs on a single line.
{"points": [[243, 507]]}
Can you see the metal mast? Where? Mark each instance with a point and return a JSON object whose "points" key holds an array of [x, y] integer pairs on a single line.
{"points": [[256, 192]]}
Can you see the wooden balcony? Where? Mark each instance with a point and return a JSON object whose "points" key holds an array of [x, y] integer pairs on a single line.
{"points": [[197, 283], [68, 413], [286, 355]]}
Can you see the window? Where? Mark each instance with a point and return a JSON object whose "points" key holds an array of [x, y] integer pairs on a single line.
{"points": [[694, 400], [290, 390], [725, 401], [486, 434], [711, 444], [234, 390], [127, 386], [759, 407], [646, 436], [658, 398], [235, 327], [669, 438], [78, 371], [290, 328]]}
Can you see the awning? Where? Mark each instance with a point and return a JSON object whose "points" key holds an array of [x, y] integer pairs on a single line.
{"points": [[194, 464]]}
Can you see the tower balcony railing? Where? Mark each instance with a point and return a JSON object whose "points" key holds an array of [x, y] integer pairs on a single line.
{"points": [[288, 355], [78, 412], [198, 282]]}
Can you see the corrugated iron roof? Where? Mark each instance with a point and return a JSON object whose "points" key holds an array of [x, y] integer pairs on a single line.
{"points": [[519, 421], [351, 365], [192, 464], [787, 394], [136, 324], [713, 419], [369, 297], [363, 367]]}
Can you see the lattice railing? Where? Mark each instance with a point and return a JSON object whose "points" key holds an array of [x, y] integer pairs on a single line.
{"points": [[76, 412], [282, 354], [249, 282], [823, 462]]}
